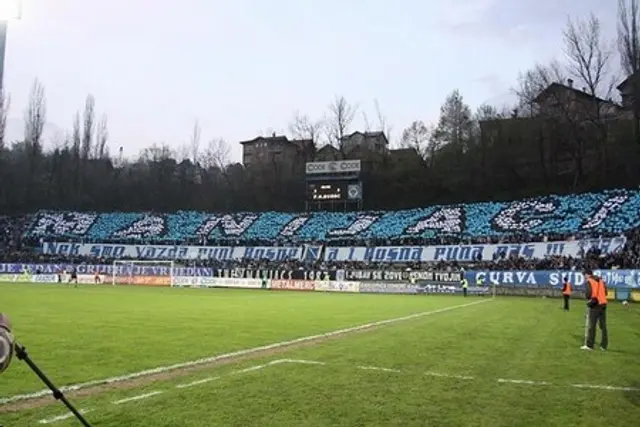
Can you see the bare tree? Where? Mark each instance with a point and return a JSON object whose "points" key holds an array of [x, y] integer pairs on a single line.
{"points": [[76, 136], [35, 117], [217, 154], [383, 124], [341, 115], [194, 143], [416, 136], [589, 56], [533, 82], [629, 35], [102, 137], [5, 103], [303, 127], [88, 122]]}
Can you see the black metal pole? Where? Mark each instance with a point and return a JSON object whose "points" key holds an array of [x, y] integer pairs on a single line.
{"points": [[21, 354]]}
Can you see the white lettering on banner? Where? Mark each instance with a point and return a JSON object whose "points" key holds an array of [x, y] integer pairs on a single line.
{"points": [[515, 218], [63, 223], [272, 253], [469, 253], [144, 228], [165, 252], [609, 205], [361, 223], [229, 225], [326, 286], [448, 220], [333, 167]]}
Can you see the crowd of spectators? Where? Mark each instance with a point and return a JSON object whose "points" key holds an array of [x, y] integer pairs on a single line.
{"points": [[14, 249]]}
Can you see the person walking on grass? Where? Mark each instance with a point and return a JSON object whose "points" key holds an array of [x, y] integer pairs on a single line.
{"points": [[566, 293], [596, 294]]}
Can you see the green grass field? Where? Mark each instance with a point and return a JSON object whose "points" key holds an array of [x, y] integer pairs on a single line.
{"points": [[502, 362]]}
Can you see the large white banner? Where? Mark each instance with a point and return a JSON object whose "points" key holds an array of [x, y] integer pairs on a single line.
{"points": [[168, 252], [470, 253]]}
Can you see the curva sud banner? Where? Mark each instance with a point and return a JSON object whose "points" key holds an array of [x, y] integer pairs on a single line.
{"points": [[613, 278], [460, 253]]}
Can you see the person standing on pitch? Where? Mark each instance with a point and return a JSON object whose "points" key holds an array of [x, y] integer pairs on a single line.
{"points": [[465, 285], [566, 293], [596, 294]]}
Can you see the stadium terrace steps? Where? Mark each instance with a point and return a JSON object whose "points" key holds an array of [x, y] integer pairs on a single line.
{"points": [[609, 212]]}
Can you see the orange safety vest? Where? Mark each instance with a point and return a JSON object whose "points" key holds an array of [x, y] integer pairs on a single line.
{"points": [[598, 290], [567, 291]]}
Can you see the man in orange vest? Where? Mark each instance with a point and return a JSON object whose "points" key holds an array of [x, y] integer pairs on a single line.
{"points": [[596, 294], [566, 293]]}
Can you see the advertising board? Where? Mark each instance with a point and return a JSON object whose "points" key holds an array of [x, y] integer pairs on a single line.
{"points": [[144, 280], [210, 282], [342, 166], [387, 288], [89, 279], [293, 285], [326, 286], [44, 278]]}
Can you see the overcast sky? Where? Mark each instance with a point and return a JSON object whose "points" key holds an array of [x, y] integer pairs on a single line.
{"points": [[243, 67]]}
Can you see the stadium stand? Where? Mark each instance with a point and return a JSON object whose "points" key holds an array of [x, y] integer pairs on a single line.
{"points": [[551, 218]]}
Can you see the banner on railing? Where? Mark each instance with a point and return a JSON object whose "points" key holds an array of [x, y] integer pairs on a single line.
{"points": [[460, 253], [470, 253], [613, 278], [400, 276], [166, 252]]}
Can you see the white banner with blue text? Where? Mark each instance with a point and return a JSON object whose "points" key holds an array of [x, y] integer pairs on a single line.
{"points": [[471, 253]]}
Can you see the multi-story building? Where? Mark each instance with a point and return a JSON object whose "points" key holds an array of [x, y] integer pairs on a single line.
{"points": [[276, 149]]}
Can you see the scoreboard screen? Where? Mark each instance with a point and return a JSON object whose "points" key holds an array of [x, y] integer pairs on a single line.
{"points": [[334, 191], [327, 191]]}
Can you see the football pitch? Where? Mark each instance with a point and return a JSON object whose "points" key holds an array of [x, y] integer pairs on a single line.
{"points": [[275, 358]]}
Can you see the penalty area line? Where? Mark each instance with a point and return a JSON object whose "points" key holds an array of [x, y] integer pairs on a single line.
{"points": [[62, 417], [233, 355]]}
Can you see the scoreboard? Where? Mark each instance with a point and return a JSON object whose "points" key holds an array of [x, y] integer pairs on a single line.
{"points": [[333, 186], [338, 191]]}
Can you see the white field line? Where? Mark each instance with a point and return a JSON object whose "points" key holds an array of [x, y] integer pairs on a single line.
{"points": [[468, 377], [605, 387], [377, 368], [302, 362], [441, 375], [232, 355], [138, 397], [528, 382], [315, 362], [249, 369], [62, 417], [198, 382]]}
